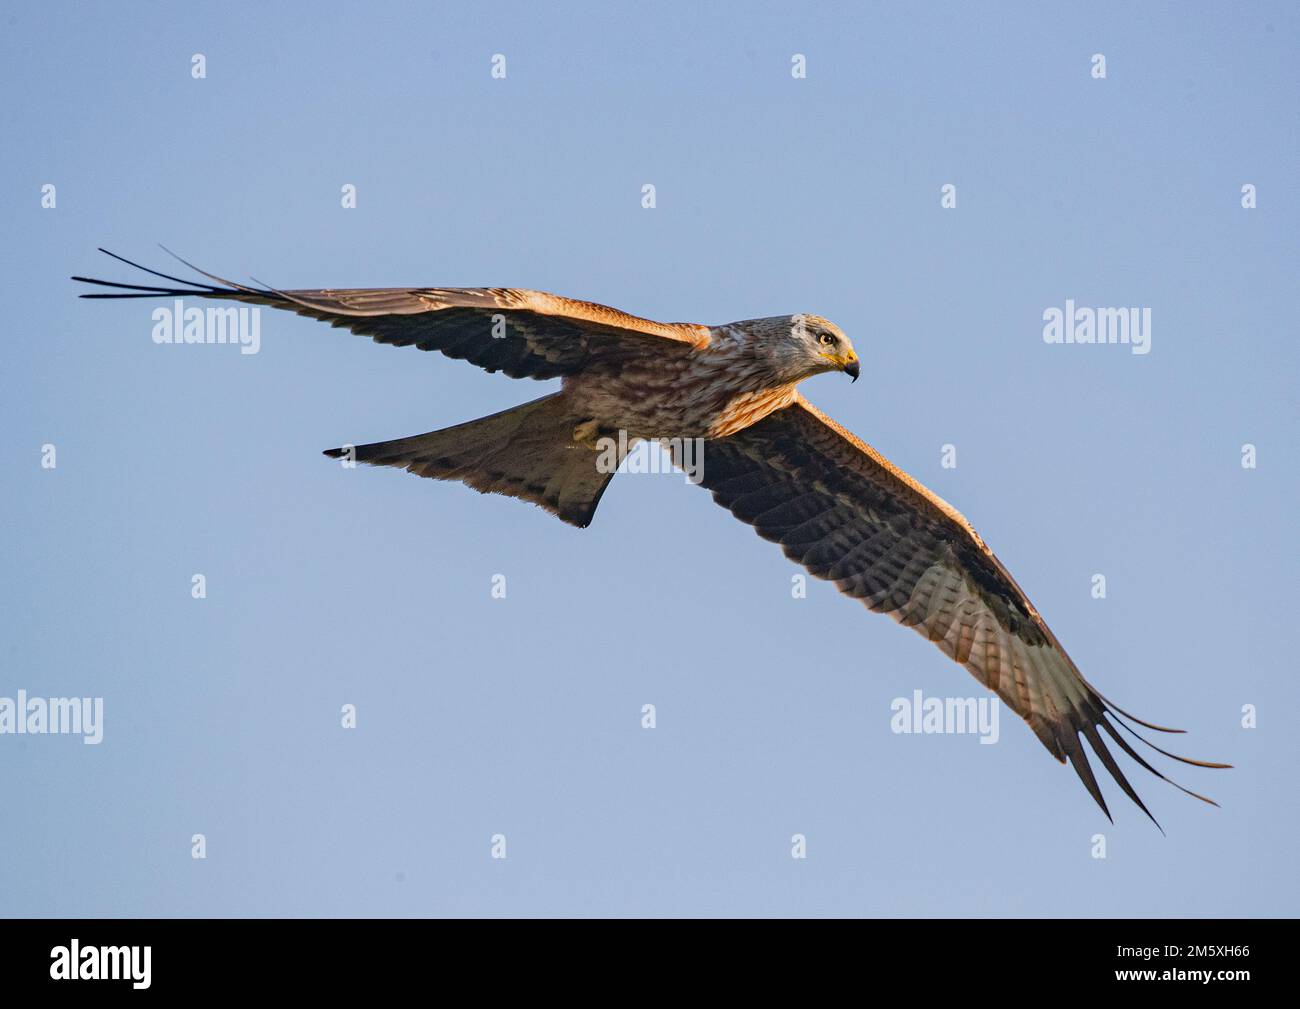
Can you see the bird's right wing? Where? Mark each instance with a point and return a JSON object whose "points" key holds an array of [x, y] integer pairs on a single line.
{"points": [[845, 513], [525, 334]]}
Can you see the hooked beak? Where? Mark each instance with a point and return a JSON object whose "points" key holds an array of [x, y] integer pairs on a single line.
{"points": [[851, 368]]}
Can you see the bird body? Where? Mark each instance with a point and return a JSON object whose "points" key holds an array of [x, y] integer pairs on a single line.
{"points": [[696, 396], [830, 501]]}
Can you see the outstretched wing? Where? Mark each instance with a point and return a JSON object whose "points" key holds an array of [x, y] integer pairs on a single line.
{"points": [[844, 512], [525, 334]]}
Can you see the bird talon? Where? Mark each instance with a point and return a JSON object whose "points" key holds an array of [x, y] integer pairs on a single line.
{"points": [[586, 433]]}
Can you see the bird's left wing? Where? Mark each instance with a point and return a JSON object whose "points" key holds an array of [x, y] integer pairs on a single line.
{"points": [[523, 333], [844, 512]]}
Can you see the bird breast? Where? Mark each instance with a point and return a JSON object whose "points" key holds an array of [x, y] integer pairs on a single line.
{"points": [[695, 395]]}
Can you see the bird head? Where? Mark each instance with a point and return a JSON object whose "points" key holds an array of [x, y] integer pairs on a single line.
{"points": [[823, 346]]}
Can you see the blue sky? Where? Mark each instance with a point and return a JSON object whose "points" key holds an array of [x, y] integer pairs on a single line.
{"points": [[522, 716]]}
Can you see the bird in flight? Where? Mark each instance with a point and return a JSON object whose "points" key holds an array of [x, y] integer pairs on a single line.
{"points": [[833, 503]]}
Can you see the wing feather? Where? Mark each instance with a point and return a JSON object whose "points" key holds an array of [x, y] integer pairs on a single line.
{"points": [[522, 333], [844, 512]]}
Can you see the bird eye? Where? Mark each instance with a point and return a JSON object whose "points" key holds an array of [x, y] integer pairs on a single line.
{"points": [[827, 339]]}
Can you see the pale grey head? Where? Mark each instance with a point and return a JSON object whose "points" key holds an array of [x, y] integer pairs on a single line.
{"points": [[800, 346]]}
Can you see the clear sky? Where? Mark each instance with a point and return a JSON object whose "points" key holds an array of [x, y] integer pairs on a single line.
{"points": [[522, 716]]}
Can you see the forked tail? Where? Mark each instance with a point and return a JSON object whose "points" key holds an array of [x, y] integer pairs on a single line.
{"points": [[526, 452]]}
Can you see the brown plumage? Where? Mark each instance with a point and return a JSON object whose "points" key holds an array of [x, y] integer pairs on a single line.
{"points": [[833, 503]]}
